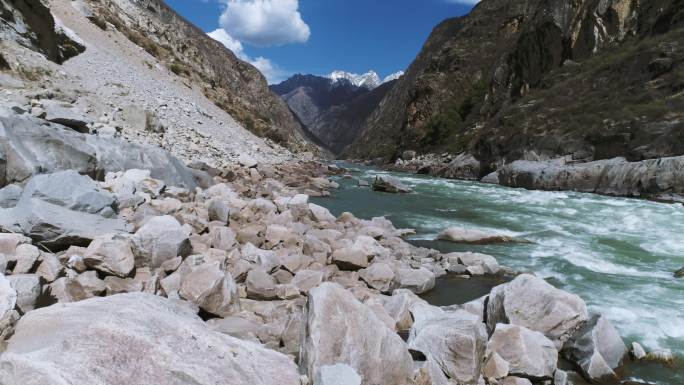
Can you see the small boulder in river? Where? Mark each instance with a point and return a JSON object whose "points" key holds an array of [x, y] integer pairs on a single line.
{"points": [[389, 184], [679, 273], [596, 348], [476, 237], [528, 353], [531, 302]]}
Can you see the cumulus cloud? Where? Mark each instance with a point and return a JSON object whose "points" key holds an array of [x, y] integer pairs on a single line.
{"points": [[270, 70], [265, 22]]}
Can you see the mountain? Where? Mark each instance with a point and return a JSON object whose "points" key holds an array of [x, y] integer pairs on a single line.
{"points": [[232, 84], [333, 109], [540, 79]]}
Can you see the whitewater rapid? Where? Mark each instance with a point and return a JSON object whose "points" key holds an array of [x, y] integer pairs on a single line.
{"points": [[618, 254]]}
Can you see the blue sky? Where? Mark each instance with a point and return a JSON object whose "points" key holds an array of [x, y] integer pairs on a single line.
{"points": [[284, 37]]}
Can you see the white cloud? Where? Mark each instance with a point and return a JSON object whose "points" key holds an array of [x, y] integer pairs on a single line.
{"points": [[270, 70], [265, 22]]}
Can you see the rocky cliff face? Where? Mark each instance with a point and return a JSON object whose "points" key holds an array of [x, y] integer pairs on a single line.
{"points": [[30, 23], [540, 79], [332, 110], [235, 86]]}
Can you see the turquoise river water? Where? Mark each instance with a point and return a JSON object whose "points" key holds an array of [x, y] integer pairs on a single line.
{"points": [[618, 254]]}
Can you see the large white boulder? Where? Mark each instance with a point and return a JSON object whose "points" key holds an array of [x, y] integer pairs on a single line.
{"points": [[531, 302], [342, 330], [160, 239], [110, 254], [134, 339], [529, 354], [456, 341], [213, 290], [596, 348]]}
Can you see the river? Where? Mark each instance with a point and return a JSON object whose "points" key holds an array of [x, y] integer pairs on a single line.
{"points": [[618, 254]]}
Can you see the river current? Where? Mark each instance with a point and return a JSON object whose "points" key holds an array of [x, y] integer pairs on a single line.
{"points": [[618, 254]]}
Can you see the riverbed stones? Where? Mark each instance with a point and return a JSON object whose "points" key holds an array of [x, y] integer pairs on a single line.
{"points": [[305, 280], [160, 239], [8, 297], [475, 236], [418, 280], [28, 289], [350, 258], [389, 184], [338, 374], [637, 351], [533, 303], [529, 354], [596, 348], [488, 263], [170, 342], [378, 276], [342, 330], [455, 341], [213, 290], [260, 285], [218, 211], [110, 254]]}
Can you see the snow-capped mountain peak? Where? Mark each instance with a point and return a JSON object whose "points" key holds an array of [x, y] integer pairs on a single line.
{"points": [[368, 80], [393, 76]]}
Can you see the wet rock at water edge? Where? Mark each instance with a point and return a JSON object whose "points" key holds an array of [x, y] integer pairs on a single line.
{"points": [[476, 237], [679, 273], [389, 184]]}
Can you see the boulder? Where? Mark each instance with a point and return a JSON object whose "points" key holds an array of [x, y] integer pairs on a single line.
{"points": [[28, 290], [350, 258], [10, 241], [153, 338], [529, 354], [418, 280], [213, 290], [8, 298], [66, 114], [637, 351], [218, 211], [456, 341], [596, 348], [160, 239], [91, 283], [378, 276], [110, 254], [37, 146], [9, 195], [66, 290], [118, 285], [306, 280], [617, 176], [475, 237], [679, 273], [222, 238], [260, 285], [247, 161], [50, 269], [389, 184], [134, 181], [57, 227], [321, 214], [338, 374], [342, 330], [533, 303], [26, 257], [512, 380], [495, 367], [487, 262]]}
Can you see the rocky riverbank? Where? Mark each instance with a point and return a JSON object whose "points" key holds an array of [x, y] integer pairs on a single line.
{"points": [[203, 274], [659, 179]]}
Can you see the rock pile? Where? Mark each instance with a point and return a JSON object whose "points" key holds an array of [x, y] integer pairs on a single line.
{"points": [[256, 283]]}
